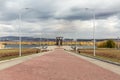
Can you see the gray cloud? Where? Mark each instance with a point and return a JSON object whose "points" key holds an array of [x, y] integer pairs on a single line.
{"points": [[87, 14], [59, 16], [47, 9]]}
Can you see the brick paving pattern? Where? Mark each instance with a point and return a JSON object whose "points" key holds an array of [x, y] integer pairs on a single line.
{"points": [[57, 65]]}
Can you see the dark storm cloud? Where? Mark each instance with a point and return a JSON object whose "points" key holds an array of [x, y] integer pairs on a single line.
{"points": [[6, 14], [40, 10], [9, 16], [49, 13], [87, 14], [103, 14], [74, 13], [43, 10], [36, 16]]}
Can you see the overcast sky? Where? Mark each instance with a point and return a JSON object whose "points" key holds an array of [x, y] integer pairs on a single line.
{"points": [[68, 18]]}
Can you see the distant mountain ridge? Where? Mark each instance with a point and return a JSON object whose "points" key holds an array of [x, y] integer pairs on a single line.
{"points": [[15, 38]]}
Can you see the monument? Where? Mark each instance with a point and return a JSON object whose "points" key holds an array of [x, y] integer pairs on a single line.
{"points": [[59, 41]]}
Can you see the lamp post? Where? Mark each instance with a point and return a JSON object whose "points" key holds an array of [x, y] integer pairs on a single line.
{"points": [[20, 46], [94, 25], [40, 42], [76, 44], [94, 41], [118, 43], [20, 22]]}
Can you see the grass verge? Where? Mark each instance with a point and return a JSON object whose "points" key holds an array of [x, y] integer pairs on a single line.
{"points": [[6, 54], [112, 55]]}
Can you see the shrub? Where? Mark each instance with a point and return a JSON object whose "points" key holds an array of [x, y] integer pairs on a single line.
{"points": [[110, 44], [107, 44]]}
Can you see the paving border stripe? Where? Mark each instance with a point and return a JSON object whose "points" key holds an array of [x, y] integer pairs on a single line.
{"points": [[115, 63], [27, 56], [105, 65]]}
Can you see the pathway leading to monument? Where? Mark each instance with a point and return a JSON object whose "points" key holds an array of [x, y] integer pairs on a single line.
{"points": [[57, 65]]}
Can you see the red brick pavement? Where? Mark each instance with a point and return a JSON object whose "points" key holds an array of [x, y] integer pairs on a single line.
{"points": [[57, 65]]}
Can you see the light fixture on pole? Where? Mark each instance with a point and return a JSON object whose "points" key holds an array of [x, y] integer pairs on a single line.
{"points": [[94, 25], [118, 43], [40, 42], [94, 17], [76, 44], [20, 24], [20, 46]]}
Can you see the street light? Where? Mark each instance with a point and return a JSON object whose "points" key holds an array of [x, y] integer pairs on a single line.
{"points": [[20, 21], [40, 42], [76, 43], [118, 43], [94, 25]]}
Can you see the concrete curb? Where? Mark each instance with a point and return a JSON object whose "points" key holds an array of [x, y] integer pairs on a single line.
{"points": [[101, 63], [12, 62], [115, 63]]}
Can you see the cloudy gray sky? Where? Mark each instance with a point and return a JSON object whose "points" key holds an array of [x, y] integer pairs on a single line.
{"points": [[68, 18]]}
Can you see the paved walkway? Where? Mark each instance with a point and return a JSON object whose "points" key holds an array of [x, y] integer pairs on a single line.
{"points": [[57, 65]]}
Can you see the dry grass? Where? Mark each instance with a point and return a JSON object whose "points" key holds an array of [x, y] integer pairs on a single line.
{"points": [[11, 53], [109, 54]]}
